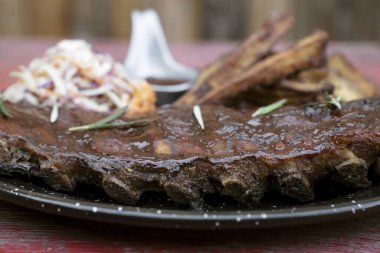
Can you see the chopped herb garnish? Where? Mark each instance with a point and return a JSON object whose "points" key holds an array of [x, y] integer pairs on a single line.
{"points": [[116, 114], [3, 110], [105, 122], [98, 124], [198, 115], [331, 100], [54, 113], [123, 124], [270, 108]]}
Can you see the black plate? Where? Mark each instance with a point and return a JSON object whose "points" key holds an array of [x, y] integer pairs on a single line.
{"points": [[156, 210]]}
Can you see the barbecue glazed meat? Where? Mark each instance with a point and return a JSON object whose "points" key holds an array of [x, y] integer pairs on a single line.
{"points": [[236, 155]]}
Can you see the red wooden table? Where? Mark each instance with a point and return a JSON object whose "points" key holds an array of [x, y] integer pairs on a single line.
{"points": [[23, 230]]}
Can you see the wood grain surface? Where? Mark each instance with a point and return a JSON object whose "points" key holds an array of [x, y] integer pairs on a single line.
{"points": [[24, 230], [188, 20]]}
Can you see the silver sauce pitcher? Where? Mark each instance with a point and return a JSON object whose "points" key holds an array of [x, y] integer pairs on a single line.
{"points": [[149, 57]]}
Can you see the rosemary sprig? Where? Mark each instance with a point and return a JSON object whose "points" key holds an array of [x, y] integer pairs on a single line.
{"points": [[270, 108], [3, 110], [124, 124], [102, 123], [116, 114], [331, 100], [198, 115]]}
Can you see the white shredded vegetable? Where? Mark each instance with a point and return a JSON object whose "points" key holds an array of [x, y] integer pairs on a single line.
{"points": [[72, 73]]}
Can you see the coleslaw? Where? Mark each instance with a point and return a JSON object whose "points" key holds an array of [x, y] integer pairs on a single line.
{"points": [[72, 73]]}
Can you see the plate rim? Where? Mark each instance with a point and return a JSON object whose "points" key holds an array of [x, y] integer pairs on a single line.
{"points": [[175, 218]]}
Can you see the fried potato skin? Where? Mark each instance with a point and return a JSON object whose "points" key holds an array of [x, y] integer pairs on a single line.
{"points": [[308, 53], [348, 82], [235, 63]]}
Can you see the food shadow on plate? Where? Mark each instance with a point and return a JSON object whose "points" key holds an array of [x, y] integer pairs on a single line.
{"points": [[327, 192]]}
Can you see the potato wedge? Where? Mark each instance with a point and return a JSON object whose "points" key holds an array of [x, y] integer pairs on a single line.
{"points": [[236, 62], [308, 53], [348, 82], [304, 87]]}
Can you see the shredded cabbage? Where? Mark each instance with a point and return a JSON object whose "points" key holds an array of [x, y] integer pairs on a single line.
{"points": [[72, 73]]}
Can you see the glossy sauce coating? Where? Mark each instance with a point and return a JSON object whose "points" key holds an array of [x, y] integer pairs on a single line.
{"points": [[174, 137]]}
